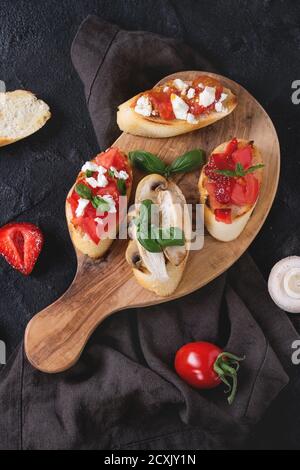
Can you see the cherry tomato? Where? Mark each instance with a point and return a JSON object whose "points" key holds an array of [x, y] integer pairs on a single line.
{"points": [[162, 104], [204, 365]]}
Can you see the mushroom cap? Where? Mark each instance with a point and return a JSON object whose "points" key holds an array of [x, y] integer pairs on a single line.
{"points": [[283, 284]]}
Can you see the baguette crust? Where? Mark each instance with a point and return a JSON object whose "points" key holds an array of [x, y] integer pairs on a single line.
{"points": [[133, 123], [219, 230], [35, 114], [83, 243]]}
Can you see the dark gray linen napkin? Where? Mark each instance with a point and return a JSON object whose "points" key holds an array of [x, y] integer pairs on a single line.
{"points": [[123, 393]]}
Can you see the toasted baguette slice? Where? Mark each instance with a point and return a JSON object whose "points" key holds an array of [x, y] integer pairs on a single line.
{"points": [[80, 240], [133, 123], [21, 114], [160, 272], [220, 230]]}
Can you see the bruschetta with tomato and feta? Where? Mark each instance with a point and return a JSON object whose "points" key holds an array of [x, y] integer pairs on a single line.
{"points": [[93, 206], [229, 187], [176, 107], [160, 231]]}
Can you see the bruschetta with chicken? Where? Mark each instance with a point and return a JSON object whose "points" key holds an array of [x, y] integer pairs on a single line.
{"points": [[160, 231], [229, 187], [176, 107], [93, 206]]}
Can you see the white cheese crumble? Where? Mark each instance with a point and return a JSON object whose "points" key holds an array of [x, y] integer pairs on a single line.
{"points": [[219, 107], [181, 85], [191, 93], [223, 97], [92, 182], [91, 166], [102, 181], [122, 175], [200, 85], [143, 106], [98, 220], [112, 205], [180, 107], [191, 119], [82, 203], [208, 96]]}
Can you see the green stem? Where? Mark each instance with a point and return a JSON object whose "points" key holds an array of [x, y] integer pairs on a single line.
{"points": [[227, 366]]}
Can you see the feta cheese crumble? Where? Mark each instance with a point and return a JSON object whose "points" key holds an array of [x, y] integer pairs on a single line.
{"points": [[91, 166], [191, 119], [180, 107], [180, 85], [102, 181], [92, 182], [191, 93], [82, 203], [208, 96], [112, 205], [143, 106], [122, 175]]}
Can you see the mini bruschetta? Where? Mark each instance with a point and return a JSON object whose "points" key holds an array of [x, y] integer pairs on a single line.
{"points": [[176, 107], [93, 204], [160, 231], [229, 187]]}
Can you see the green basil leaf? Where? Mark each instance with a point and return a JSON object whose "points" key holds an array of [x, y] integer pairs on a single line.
{"points": [[121, 187], [144, 238], [189, 161], [148, 162], [110, 173], [254, 168], [89, 173], [83, 191], [171, 236], [100, 204]]}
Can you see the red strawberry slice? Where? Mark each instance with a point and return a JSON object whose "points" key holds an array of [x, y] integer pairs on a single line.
{"points": [[21, 244]]}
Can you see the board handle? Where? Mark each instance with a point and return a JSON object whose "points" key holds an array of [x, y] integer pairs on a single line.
{"points": [[55, 337]]}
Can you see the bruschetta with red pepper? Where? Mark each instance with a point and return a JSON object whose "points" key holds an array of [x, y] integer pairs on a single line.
{"points": [[176, 107], [229, 187], [93, 207]]}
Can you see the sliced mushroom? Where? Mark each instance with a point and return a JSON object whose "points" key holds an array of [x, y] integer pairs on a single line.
{"points": [[171, 204], [284, 284], [133, 256], [148, 190], [155, 263]]}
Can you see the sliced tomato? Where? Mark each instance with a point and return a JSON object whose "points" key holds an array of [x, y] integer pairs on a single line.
{"points": [[73, 201], [223, 215], [161, 103], [88, 225], [245, 190], [213, 202], [112, 157], [197, 108], [243, 156]]}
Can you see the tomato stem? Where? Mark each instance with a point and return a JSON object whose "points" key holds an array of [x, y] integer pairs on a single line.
{"points": [[227, 366]]}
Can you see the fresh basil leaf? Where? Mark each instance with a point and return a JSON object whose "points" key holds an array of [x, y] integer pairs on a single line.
{"points": [[144, 238], [121, 187], [189, 161], [254, 168], [171, 236], [146, 161], [83, 191], [110, 173], [100, 204], [89, 173]]}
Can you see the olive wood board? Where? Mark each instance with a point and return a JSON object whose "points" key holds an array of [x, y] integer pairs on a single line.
{"points": [[55, 337]]}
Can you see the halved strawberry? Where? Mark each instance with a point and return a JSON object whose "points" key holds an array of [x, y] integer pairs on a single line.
{"points": [[21, 244]]}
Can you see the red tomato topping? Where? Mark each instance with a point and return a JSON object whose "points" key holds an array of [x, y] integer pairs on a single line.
{"points": [[245, 190], [223, 215], [161, 102]]}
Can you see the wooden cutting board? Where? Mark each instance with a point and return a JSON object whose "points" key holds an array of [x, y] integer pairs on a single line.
{"points": [[56, 336]]}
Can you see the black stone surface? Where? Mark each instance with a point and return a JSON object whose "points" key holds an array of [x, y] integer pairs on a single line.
{"points": [[255, 43]]}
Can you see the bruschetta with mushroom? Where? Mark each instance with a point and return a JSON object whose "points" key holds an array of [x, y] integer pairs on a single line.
{"points": [[229, 187], [160, 231], [93, 206], [176, 107]]}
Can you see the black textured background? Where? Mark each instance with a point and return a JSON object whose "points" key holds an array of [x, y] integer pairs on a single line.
{"points": [[256, 43]]}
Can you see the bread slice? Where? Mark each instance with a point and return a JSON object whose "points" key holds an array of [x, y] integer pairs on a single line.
{"points": [[220, 230], [80, 240], [167, 267], [133, 123], [21, 114]]}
